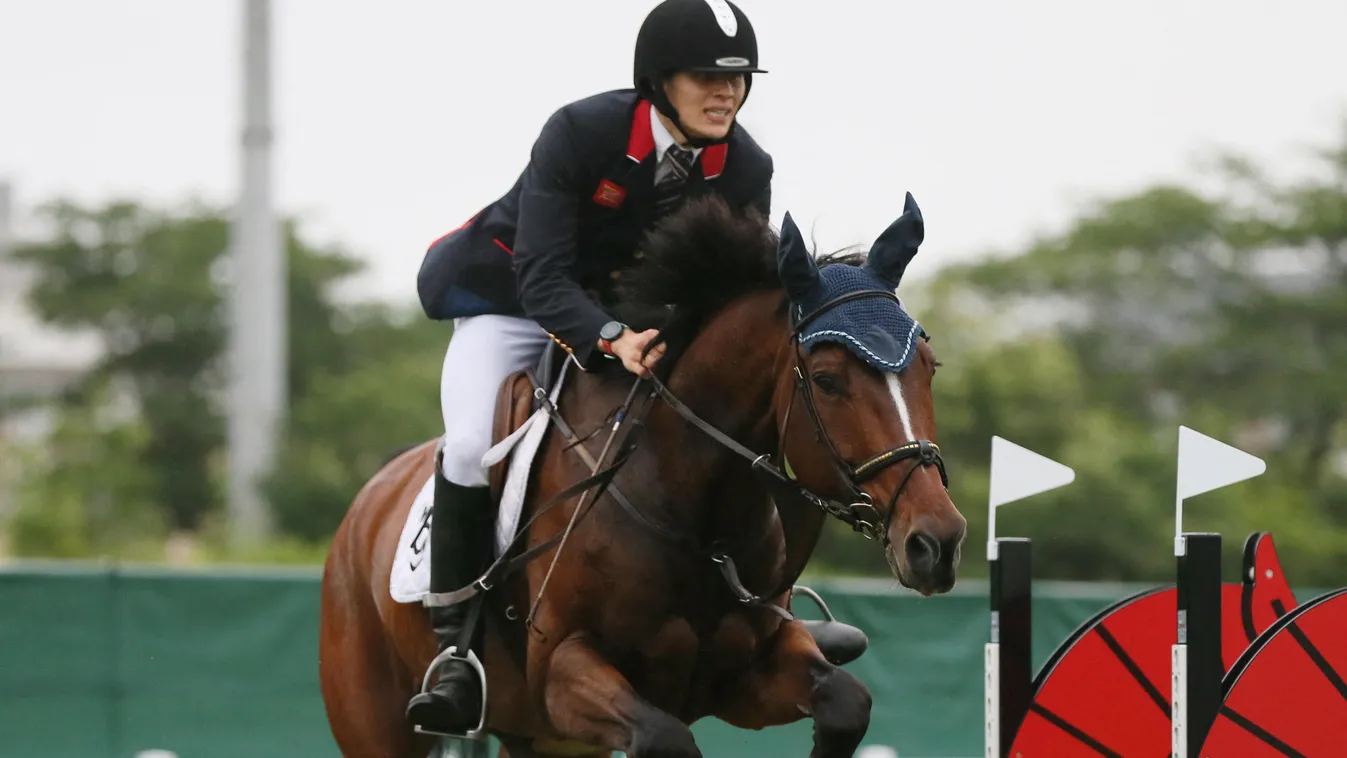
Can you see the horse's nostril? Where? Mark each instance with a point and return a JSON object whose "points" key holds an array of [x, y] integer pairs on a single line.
{"points": [[923, 551]]}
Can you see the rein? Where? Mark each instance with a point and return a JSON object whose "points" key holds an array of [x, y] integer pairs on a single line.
{"points": [[860, 514]]}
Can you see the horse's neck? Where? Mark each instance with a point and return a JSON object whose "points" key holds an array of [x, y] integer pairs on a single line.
{"points": [[729, 376]]}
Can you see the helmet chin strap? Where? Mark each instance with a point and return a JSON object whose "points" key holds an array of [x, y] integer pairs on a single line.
{"points": [[662, 104]]}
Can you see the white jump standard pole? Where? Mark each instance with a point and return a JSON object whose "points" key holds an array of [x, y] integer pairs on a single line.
{"points": [[1016, 473], [1196, 668]]}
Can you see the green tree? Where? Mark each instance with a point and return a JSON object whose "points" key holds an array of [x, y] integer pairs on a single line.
{"points": [[142, 281], [1224, 309], [350, 424], [148, 282], [86, 492]]}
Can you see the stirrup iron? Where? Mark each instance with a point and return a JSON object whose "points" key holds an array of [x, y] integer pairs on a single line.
{"points": [[478, 733], [840, 643]]}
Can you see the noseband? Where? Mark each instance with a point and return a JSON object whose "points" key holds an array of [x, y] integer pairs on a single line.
{"points": [[860, 514]]}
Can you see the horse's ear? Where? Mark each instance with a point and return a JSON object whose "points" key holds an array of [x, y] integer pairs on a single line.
{"points": [[896, 247], [795, 265]]}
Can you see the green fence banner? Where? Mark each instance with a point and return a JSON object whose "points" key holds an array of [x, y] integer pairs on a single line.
{"points": [[115, 662]]}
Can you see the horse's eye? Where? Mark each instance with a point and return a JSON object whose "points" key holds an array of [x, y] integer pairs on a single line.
{"points": [[828, 383]]}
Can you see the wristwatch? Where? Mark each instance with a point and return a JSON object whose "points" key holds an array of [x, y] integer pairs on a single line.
{"points": [[609, 334]]}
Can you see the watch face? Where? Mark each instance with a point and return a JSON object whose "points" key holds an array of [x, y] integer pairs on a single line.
{"points": [[611, 331]]}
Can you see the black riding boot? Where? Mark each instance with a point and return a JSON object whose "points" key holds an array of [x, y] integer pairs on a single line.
{"points": [[461, 535]]}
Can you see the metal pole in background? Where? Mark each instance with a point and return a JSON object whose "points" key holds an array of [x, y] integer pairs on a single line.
{"points": [[6, 215], [257, 390], [8, 289]]}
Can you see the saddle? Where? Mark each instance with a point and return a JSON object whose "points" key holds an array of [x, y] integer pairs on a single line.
{"points": [[518, 399], [515, 402]]}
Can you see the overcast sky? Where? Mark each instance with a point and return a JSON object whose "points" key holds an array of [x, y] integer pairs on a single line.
{"points": [[394, 126]]}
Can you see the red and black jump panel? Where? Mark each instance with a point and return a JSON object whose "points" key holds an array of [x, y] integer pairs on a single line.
{"points": [[1106, 689], [1287, 694]]}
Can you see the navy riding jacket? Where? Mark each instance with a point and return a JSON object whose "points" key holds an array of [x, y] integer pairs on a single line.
{"points": [[552, 247]]}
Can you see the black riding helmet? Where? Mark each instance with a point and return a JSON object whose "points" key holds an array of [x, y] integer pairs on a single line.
{"points": [[694, 35]]}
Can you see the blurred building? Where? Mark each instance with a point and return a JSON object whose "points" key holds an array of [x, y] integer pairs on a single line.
{"points": [[36, 361]]}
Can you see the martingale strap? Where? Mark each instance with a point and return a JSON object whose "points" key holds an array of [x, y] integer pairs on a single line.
{"points": [[716, 553], [633, 422]]}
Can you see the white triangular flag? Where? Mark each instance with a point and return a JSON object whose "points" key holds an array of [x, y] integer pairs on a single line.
{"points": [[1206, 464], [1018, 472]]}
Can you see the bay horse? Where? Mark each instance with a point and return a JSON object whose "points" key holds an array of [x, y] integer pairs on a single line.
{"points": [[789, 391]]}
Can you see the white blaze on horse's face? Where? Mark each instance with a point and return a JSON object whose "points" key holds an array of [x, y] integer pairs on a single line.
{"points": [[896, 391], [926, 530]]}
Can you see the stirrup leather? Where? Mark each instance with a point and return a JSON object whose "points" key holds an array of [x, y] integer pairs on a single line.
{"points": [[477, 733]]}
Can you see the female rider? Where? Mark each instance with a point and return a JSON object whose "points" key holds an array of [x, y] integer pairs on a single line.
{"points": [[539, 263]]}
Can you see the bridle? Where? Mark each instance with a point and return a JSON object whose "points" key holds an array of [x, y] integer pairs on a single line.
{"points": [[860, 514], [926, 453]]}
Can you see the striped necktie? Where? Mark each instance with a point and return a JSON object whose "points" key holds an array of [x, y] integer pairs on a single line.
{"points": [[669, 188]]}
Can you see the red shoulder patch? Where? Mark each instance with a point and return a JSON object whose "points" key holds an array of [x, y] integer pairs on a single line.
{"points": [[609, 194]]}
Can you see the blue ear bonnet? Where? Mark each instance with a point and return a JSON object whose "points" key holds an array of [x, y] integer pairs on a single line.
{"points": [[876, 328]]}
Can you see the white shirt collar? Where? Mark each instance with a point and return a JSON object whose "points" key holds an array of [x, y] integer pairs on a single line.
{"points": [[662, 137]]}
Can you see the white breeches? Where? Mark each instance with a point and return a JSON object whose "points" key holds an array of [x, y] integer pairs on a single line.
{"points": [[482, 352]]}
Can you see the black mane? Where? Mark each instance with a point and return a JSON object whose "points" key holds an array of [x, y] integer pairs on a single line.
{"points": [[697, 260], [694, 263]]}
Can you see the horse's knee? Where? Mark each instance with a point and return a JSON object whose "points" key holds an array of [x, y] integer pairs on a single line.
{"points": [[660, 735], [841, 705]]}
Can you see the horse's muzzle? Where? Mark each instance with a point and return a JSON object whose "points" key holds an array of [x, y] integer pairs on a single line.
{"points": [[929, 559]]}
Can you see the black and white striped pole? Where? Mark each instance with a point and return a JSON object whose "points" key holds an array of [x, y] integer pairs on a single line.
{"points": [[1016, 473], [1196, 668]]}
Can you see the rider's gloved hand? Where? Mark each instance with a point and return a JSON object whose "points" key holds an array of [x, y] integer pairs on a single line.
{"points": [[628, 349]]}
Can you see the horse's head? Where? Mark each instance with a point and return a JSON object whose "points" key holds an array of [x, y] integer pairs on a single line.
{"points": [[856, 406], [849, 389]]}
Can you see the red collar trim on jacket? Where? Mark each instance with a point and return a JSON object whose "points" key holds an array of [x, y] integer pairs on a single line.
{"points": [[642, 142], [713, 160]]}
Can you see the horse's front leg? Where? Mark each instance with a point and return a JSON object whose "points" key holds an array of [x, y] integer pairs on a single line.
{"points": [[590, 702], [792, 680]]}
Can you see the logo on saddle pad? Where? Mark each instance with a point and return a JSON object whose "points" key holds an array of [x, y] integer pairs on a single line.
{"points": [[877, 329]]}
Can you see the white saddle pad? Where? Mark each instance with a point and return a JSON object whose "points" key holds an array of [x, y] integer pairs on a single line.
{"points": [[409, 580]]}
